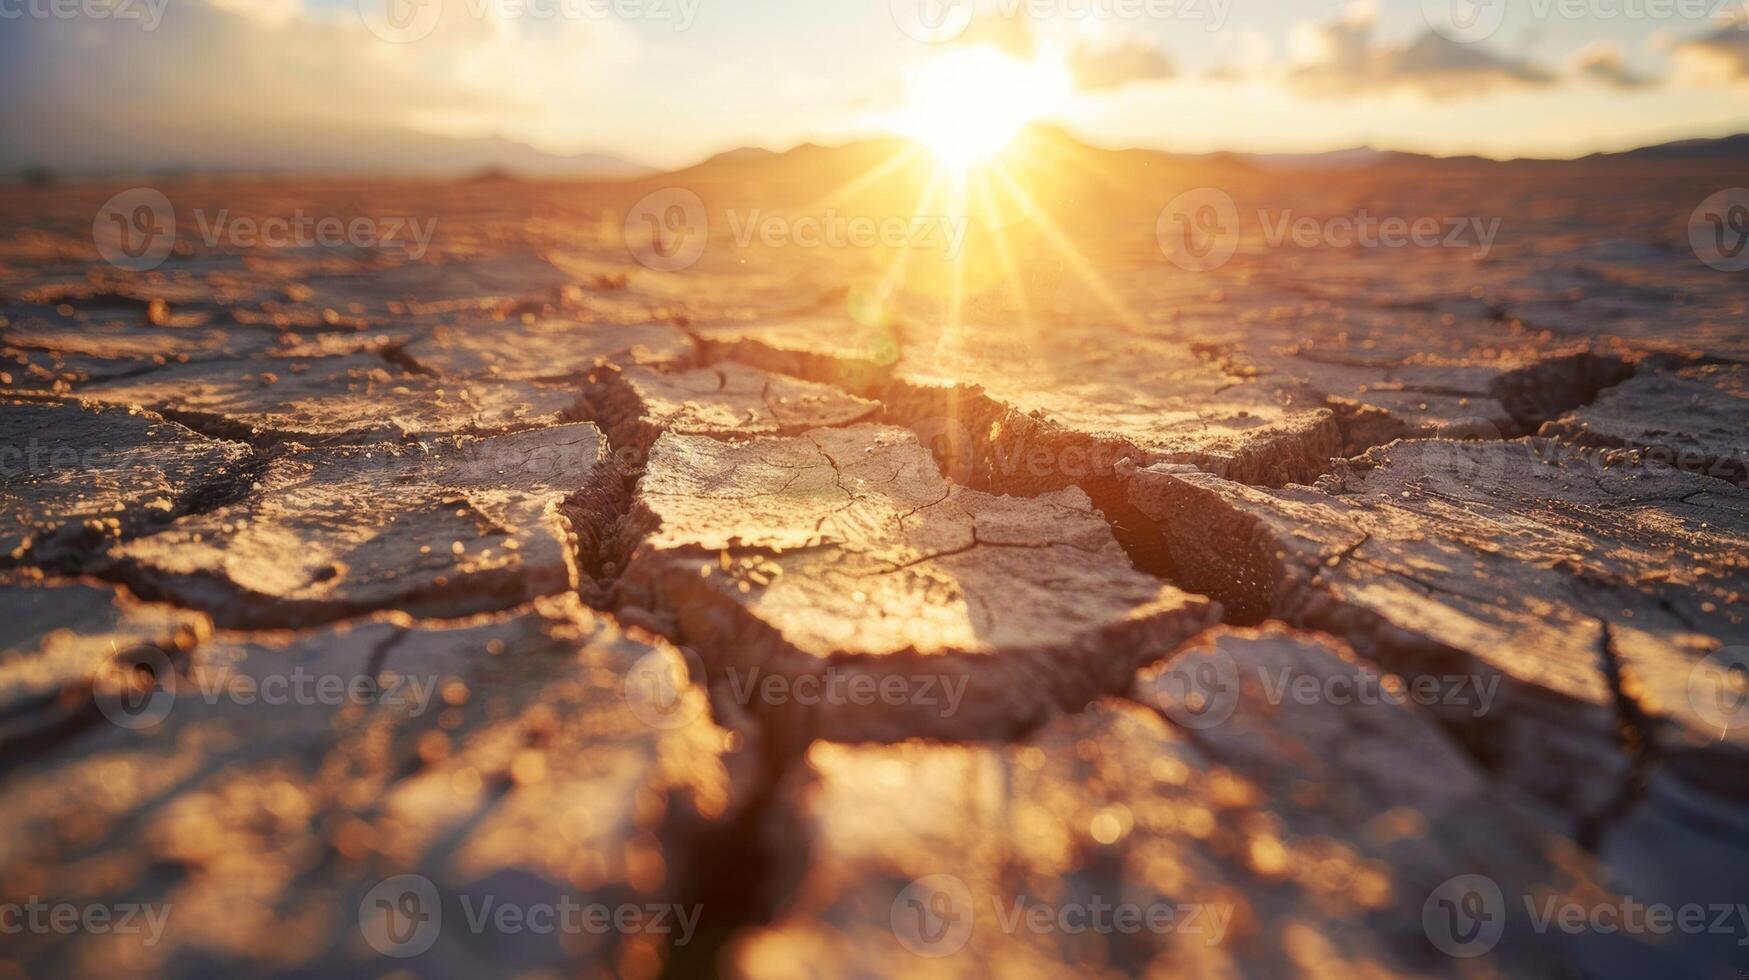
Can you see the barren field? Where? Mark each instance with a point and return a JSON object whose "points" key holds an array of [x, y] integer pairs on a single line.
{"points": [[753, 603]]}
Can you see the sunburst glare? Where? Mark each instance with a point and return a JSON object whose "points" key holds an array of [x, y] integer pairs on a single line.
{"points": [[967, 105]]}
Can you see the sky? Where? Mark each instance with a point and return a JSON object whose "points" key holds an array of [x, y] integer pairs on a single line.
{"points": [[111, 83]]}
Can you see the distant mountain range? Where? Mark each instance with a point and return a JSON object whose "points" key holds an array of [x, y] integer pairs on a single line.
{"points": [[102, 150], [1726, 149], [809, 164], [116, 147], [754, 163]]}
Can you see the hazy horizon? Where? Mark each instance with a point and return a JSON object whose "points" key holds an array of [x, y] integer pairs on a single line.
{"points": [[592, 165], [126, 85]]}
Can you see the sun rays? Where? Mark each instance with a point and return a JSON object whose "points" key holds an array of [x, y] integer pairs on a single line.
{"points": [[965, 106], [997, 198], [975, 155]]}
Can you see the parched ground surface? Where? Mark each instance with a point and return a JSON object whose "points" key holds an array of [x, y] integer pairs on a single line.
{"points": [[521, 609]]}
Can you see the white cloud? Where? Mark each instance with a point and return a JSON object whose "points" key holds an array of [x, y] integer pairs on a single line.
{"points": [[1341, 57], [1105, 68], [252, 69], [1719, 57], [1605, 62], [1243, 53]]}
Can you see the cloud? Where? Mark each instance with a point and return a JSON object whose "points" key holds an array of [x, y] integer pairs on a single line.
{"points": [[1722, 56], [1341, 58], [1604, 63], [1104, 68], [1012, 35], [218, 77], [1241, 54], [276, 13]]}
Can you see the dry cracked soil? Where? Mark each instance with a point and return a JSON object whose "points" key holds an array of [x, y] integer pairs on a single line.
{"points": [[518, 609]]}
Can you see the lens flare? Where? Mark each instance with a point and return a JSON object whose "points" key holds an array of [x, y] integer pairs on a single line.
{"points": [[967, 105]]}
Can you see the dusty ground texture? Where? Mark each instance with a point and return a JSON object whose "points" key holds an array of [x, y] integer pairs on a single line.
{"points": [[524, 609]]}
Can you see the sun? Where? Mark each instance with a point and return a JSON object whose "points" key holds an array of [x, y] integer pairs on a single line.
{"points": [[966, 105]]}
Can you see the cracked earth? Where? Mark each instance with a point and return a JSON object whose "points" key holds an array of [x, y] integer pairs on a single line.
{"points": [[759, 591]]}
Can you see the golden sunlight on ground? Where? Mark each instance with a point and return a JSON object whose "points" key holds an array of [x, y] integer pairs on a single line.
{"points": [[979, 162], [997, 186]]}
